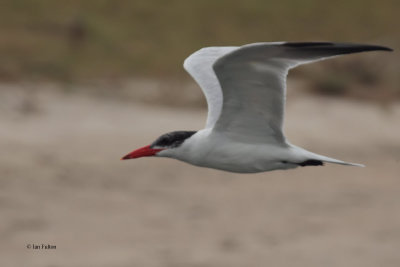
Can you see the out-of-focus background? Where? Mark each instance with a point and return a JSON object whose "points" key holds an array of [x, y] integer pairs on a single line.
{"points": [[82, 83]]}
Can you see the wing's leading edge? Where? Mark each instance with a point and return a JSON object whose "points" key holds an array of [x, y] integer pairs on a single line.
{"points": [[199, 66]]}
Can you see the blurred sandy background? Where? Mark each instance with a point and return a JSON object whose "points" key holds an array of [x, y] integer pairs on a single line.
{"points": [[82, 83]]}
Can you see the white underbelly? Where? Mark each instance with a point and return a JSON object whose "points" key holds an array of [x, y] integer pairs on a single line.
{"points": [[242, 158]]}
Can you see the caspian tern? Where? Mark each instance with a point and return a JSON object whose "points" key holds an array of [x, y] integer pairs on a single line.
{"points": [[245, 89]]}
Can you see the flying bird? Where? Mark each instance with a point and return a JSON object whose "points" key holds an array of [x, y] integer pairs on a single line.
{"points": [[245, 89]]}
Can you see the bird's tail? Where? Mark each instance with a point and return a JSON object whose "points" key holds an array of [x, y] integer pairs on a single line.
{"points": [[336, 161], [310, 156]]}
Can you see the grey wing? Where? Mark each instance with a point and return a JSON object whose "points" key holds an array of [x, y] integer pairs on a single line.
{"points": [[199, 66], [253, 81]]}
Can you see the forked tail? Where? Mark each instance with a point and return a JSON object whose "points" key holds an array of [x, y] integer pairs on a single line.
{"points": [[336, 161], [316, 159]]}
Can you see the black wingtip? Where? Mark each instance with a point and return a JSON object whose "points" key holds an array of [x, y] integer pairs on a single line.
{"points": [[307, 44], [377, 47], [345, 47], [380, 48], [387, 48]]}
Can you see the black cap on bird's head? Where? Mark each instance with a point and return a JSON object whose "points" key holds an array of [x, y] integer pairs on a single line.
{"points": [[165, 141]]}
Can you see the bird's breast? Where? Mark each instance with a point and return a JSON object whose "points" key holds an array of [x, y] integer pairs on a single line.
{"points": [[220, 153]]}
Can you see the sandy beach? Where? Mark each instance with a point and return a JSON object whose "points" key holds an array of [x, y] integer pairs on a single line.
{"points": [[62, 184]]}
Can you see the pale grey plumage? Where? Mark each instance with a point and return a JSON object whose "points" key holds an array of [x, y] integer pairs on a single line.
{"points": [[245, 89]]}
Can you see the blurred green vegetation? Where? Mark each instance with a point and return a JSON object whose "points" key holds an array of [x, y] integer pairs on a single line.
{"points": [[106, 39]]}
